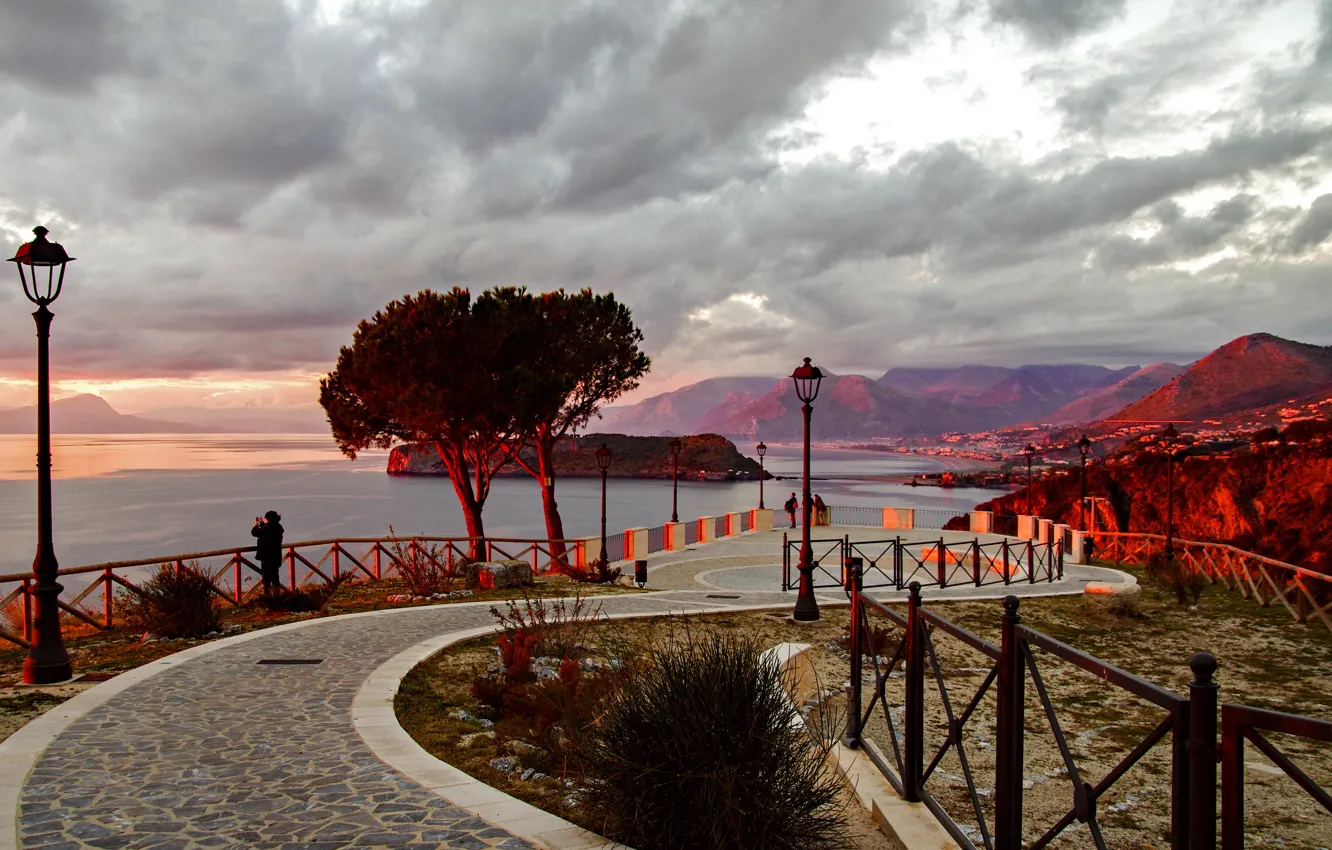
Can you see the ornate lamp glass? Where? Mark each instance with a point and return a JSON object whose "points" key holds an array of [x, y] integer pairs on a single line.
{"points": [[674, 445], [603, 457], [1084, 446], [807, 379], [762, 449]]}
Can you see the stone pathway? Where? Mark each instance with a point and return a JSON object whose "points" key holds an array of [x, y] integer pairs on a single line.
{"points": [[214, 750]]}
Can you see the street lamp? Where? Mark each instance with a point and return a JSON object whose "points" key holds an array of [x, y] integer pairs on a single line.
{"points": [[1168, 438], [47, 661], [1030, 452], [603, 461], [675, 478], [762, 450], [1084, 449], [807, 379]]}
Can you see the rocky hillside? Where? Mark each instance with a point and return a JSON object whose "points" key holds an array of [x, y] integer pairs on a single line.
{"points": [[848, 406], [705, 457], [1240, 377], [91, 414], [1108, 401], [1271, 497], [696, 408]]}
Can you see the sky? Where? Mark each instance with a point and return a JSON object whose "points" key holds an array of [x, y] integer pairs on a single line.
{"points": [[871, 184]]}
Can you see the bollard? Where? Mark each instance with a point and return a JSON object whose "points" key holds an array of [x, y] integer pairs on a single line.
{"points": [[1203, 693], [1008, 764], [913, 733], [640, 573]]}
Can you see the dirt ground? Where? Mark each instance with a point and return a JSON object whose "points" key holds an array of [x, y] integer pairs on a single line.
{"points": [[1264, 659]]}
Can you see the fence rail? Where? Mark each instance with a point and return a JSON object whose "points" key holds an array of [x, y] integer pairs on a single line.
{"points": [[233, 572], [1303, 592], [855, 516], [912, 760], [937, 518], [896, 563]]}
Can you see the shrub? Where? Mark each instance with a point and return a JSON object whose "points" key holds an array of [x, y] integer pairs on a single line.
{"points": [[173, 603], [702, 747], [303, 599], [562, 625], [428, 568], [596, 572], [961, 522], [1178, 577]]}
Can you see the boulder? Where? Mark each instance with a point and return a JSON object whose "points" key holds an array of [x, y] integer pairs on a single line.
{"points": [[501, 574], [1112, 595]]}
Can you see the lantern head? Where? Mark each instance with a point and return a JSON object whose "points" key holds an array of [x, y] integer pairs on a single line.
{"points": [[762, 449], [41, 267], [603, 457], [807, 379], [1084, 446], [675, 447]]}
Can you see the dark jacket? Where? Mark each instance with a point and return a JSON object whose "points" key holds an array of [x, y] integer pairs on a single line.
{"points": [[791, 505], [270, 541]]}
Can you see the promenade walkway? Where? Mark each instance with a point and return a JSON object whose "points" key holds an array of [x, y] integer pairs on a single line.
{"points": [[209, 748]]}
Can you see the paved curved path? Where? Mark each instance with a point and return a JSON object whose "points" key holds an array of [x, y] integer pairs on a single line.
{"points": [[209, 749]]}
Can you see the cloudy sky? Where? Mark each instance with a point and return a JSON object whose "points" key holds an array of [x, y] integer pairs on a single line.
{"points": [[869, 182]]}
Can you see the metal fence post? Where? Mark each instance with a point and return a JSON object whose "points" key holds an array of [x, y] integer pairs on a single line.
{"points": [[975, 561], [1061, 563], [851, 738], [897, 562], [1031, 563], [941, 560], [1008, 756], [1008, 579], [1232, 783], [1203, 692], [786, 562], [914, 726]]}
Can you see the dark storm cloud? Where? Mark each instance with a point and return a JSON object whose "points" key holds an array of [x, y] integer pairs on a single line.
{"points": [[242, 183], [1052, 22]]}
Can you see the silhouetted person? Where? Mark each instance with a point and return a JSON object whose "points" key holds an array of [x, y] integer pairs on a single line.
{"points": [[268, 531], [791, 506], [820, 518]]}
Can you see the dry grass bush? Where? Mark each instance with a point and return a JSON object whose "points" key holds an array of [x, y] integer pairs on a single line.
{"points": [[172, 603], [303, 599], [427, 568], [702, 747], [562, 625], [597, 571], [1177, 577]]}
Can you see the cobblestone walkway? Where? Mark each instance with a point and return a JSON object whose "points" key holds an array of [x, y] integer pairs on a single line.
{"points": [[220, 751]]}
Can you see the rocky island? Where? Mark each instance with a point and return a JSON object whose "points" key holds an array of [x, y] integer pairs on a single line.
{"points": [[703, 457]]}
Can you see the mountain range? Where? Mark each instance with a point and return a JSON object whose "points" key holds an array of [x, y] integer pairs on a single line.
{"points": [[1252, 376], [91, 414]]}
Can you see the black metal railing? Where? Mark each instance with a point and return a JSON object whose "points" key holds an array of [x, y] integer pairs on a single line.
{"points": [[744, 521], [895, 563], [616, 547], [719, 527], [827, 558], [1241, 722], [865, 517], [1005, 525], [656, 539], [691, 533], [992, 817], [936, 518]]}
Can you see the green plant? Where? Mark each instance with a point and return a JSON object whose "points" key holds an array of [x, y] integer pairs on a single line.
{"points": [[173, 602], [702, 747], [303, 599], [1176, 576]]}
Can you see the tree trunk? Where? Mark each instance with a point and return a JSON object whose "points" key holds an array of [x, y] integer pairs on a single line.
{"points": [[471, 507], [554, 525]]}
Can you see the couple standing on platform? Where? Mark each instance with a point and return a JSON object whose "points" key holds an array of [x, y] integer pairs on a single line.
{"points": [[821, 512]]}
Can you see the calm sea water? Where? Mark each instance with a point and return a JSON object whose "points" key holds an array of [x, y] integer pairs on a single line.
{"points": [[141, 496]]}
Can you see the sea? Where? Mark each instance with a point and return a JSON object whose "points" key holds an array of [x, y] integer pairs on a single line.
{"points": [[127, 497]]}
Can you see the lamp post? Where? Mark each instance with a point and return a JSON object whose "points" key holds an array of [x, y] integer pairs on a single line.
{"points": [[1030, 452], [675, 478], [603, 461], [807, 379], [47, 661], [762, 450], [1168, 438], [1084, 449]]}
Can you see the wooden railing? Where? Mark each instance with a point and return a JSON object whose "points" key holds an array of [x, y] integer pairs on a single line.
{"points": [[1302, 591], [366, 558]]}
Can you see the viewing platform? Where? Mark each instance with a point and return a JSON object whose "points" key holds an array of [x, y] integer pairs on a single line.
{"points": [[211, 748]]}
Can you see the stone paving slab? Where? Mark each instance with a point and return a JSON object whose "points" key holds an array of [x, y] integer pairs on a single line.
{"points": [[209, 749]]}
